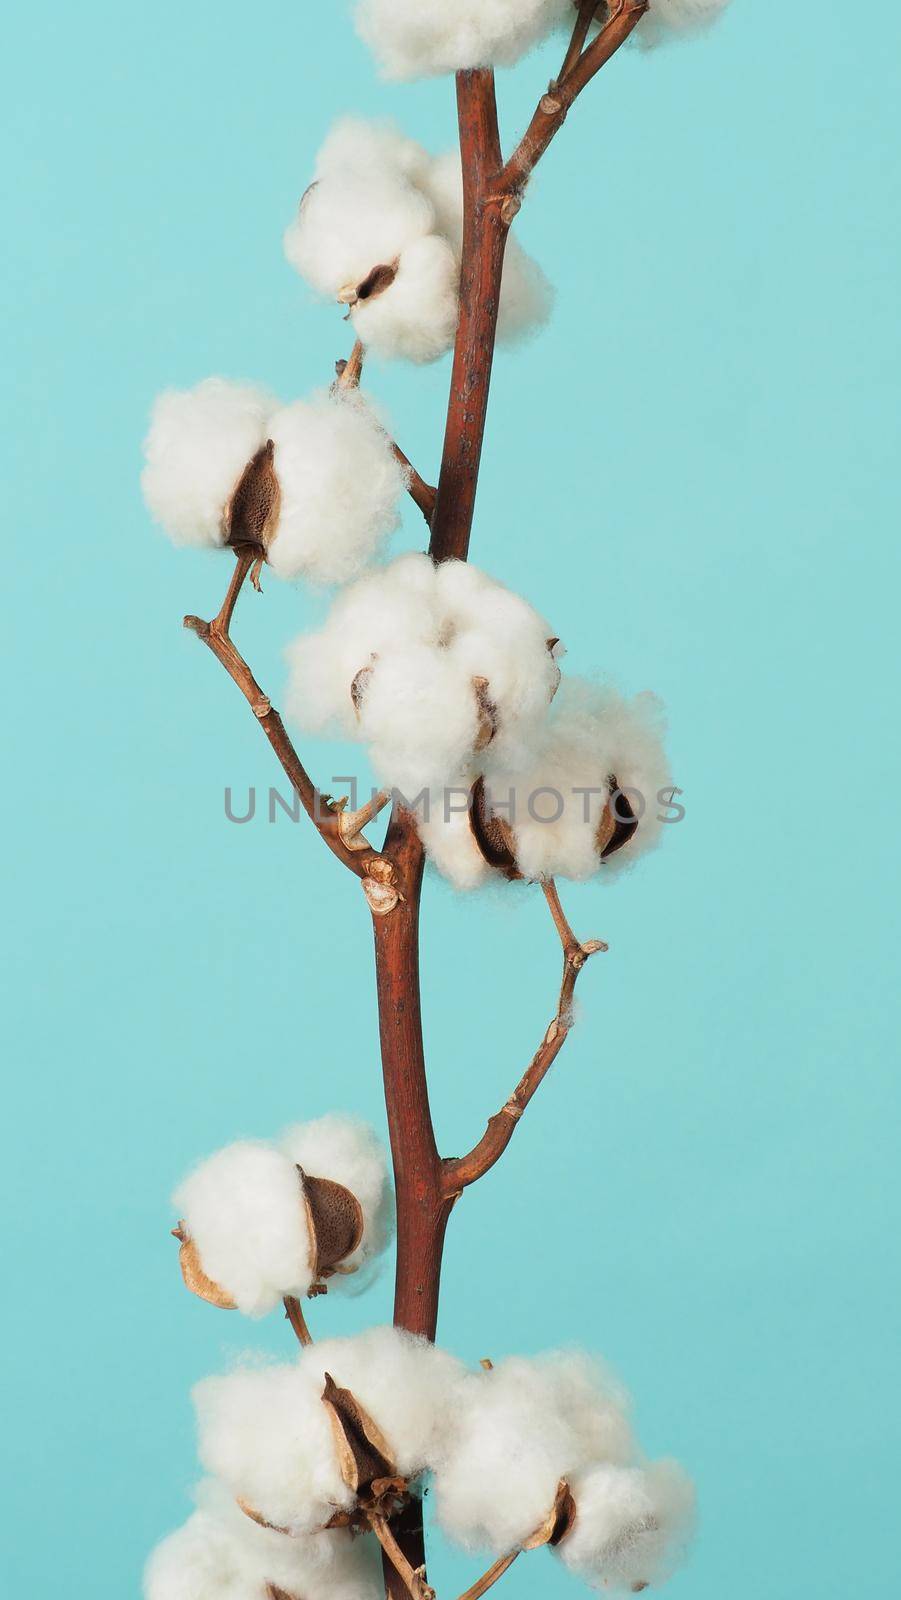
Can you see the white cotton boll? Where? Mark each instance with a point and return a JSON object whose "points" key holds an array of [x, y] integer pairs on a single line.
{"points": [[418, 718], [395, 664], [667, 19], [244, 1211], [387, 605], [592, 734], [340, 488], [518, 1430], [199, 443], [407, 1386], [372, 149], [526, 295], [419, 38], [349, 223], [221, 1554], [348, 1152], [415, 319], [266, 1434], [632, 1525]]}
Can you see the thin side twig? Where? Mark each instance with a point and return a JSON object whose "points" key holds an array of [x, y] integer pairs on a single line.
{"points": [[461, 1171], [490, 1578], [584, 19], [294, 1314], [550, 113], [325, 817], [350, 373]]}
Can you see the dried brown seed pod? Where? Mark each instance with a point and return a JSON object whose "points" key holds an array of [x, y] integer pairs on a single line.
{"points": [[558, 1522], [493, 835], [487, 714], [251, 516], [364, 1455], [196, 1279], [359, 685], [618, 822], [336, 1223], [374, 284]]}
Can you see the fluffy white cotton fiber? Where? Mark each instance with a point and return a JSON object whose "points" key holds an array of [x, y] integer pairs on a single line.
{"points": [[632, 1525], [339, 482], [396, 662], [380, 229], [267, 1435], [348, 1152], [417, 38], [199, 443], [243, 1208], [517, 1431], [221, 1554], [667, 19], [340, 487], [244, 1211]]}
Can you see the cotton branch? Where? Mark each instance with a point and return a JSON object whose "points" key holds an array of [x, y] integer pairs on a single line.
{"points": [[579, 67], [464, 1170], [421, 493], [294, 1314], [325, 816], [496, 1571]]}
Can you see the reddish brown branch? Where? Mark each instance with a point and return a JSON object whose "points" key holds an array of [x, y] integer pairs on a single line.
{"points": [[464, 1170], [324, 816], [486, 220], [584, 19], [550, 113]]}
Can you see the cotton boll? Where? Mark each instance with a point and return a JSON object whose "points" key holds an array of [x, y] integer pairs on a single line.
{"points": [[526, 295], [415, 318], [348, 1152], [266, 1434], [340, 487], [372, 149], [349, 223], [244, 1212], [393, 603], [667, 19], [418, 718], [630, 733], [519, 1429], [632, 1525], [406, 1384], [419, 38], [199, 443], [221, 1554]]}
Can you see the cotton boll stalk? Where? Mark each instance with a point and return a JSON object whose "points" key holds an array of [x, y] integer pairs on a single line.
{"points": [[340, 486], [526, 295], [519, 1430], [420, 38], [256, 1228], [350, 1153], [198, 447], [631, 1526], [668, 19], [411, 315]]}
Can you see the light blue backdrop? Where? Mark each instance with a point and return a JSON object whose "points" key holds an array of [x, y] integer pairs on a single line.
{"points": [[693, 472]]}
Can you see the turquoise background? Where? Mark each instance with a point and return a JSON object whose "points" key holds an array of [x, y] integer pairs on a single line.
{"points": [[692, 471]]}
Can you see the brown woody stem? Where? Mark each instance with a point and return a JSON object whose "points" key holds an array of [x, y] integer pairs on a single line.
{"points": [[461, 1171], [485, 228], [550, 113], [413, 1578], [584, 19], [318, 807]]}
